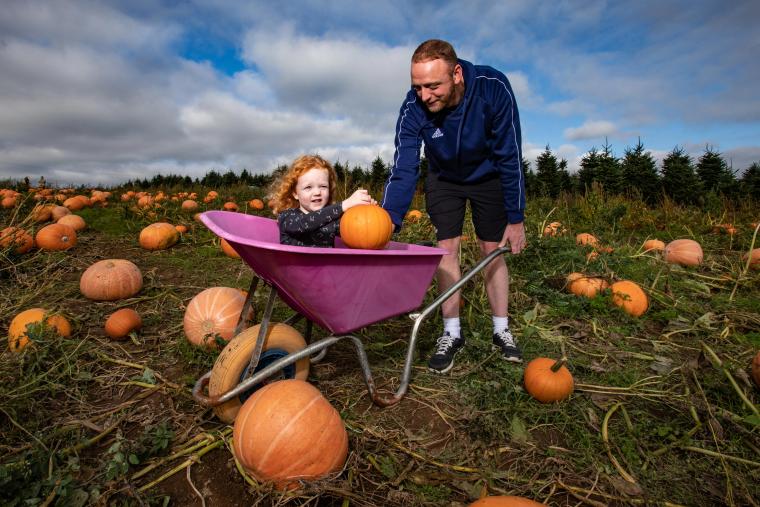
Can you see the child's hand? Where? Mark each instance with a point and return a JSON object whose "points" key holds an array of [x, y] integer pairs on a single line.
{"points": [[361, 196]]}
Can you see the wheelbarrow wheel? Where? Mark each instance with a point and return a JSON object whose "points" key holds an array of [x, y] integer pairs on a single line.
{"points": [[231, 366]]}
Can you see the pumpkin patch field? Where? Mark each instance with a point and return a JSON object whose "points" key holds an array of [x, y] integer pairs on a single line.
{"points": [[640, 330]]}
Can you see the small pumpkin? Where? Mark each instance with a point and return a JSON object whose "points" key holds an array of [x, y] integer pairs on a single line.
{"points": [[111, 279], [548, 380], [505, 501], [189, 205], [366, 226], [554, 229], [182, 229], [654, 245], [18, 332], [587, 286], [56, 237], [230, 206], [17, 236], [756, 368], [158, 236], [630, 297], [256, 204], [228, 250], [74, 221], [754, 258], [213, 312], [122, 322], [685, 252], [584, 238], [414, 215], [286, 432]]}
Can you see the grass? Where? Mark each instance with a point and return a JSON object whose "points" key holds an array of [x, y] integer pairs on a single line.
{"points": [[83, 417]]}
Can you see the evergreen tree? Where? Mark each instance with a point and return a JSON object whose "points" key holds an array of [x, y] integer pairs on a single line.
{"points": [[640, 173], [531, 181], [378, 172], [547, 174], [358, 175], [587, 173], [750, 182], [340, 171], [679, 181], [608, 171], [565, 181], [714, 173]]}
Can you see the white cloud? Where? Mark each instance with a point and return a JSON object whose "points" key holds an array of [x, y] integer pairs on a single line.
{"points": [[591, 130]]}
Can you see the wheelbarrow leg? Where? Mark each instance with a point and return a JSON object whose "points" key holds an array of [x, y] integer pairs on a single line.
{"points": [[248, 312], [263, 328]]}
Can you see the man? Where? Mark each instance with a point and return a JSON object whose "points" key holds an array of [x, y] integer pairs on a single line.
{"points": [[467, 117]]}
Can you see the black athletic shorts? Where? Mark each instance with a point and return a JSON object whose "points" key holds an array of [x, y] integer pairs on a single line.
{"points": [[445, 203]]}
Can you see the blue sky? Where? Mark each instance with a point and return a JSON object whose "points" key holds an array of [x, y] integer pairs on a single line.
{"points": [[101, 92]]}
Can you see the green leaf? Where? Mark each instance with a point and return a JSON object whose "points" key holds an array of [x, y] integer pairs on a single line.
{"points": [[753, 419], [133, 459]]}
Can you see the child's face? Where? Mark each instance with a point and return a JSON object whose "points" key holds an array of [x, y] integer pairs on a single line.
{"points": [[313, 190]]}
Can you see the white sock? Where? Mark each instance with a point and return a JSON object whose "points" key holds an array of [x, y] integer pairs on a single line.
{"points": [[452, 327], [500, 324]]}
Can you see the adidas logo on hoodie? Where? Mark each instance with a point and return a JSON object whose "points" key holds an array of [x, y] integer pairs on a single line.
{"points": [[437, 133]]}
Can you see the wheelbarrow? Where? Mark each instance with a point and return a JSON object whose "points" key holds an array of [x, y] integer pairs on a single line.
{"points": [[340, 289]]}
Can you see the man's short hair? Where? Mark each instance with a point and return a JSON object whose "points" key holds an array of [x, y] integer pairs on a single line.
{"points": [[434, 49]]}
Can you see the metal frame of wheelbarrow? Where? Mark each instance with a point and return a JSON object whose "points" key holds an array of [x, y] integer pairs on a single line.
{"points": [[320, 347]]}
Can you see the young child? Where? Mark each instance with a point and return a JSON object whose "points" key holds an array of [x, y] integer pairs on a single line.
{"points": [[303, 199]]}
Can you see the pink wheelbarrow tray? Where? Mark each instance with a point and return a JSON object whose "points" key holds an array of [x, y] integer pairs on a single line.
{"points": [[340, 289]]}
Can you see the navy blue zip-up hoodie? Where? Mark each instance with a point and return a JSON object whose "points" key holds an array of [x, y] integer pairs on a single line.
{"points": [[480, 137]]}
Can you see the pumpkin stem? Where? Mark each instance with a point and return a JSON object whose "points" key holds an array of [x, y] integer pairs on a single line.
{"points": [[558, 364]]}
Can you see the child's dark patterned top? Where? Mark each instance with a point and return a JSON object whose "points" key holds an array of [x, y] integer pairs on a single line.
{"points": [[317, 228]]}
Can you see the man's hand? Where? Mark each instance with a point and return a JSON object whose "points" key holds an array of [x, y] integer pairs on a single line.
{"points": [[514, 234]]}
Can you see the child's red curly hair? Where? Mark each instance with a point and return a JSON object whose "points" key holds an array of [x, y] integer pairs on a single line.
{"points": [[282, 189]]}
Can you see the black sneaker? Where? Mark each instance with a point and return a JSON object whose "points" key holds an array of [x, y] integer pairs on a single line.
{"points": [[506, 343], [442, 361]]}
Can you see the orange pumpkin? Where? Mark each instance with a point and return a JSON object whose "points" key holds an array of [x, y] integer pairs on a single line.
{"points": [[366, 226], [286, 432], [56, 237], [74, 203], [59, 211], [548, 380], [554, 229], [654, 244], [122, 322], [145, 201], [41, 213], [17, 236], [414, 215], [74, 221], [230, 206], [182, 229], [228, 250], [630, 297], [213, 312], [256, 204], [111, 279], [756, 368], [19, 335], [587, 286], [585, 238], [158, 236], [189, 205], [754, 258], [685, 252], [505, 501]]}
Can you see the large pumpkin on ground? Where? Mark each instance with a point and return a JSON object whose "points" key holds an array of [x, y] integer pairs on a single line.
{"points": [[585, 238], [630, 297], [505, 501], [213, 312], [158, 236], [22, 240], [287, 431], [74, 221], [545, 384], [587, 286], [56, 237], [18, 333], [754, 258], [685, 252], [111, 279], [366, 226]]}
